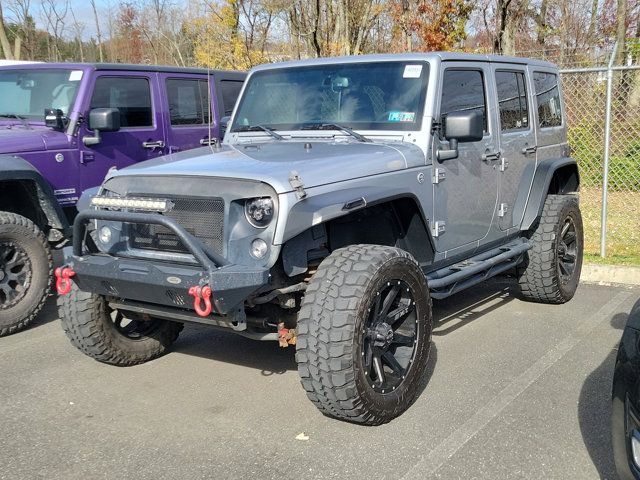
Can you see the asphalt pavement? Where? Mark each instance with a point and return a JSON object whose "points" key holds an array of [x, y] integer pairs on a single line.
{"points": [[513, 390]]}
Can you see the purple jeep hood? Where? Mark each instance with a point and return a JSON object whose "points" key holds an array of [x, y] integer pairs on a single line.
{"points": [[19, 139]]}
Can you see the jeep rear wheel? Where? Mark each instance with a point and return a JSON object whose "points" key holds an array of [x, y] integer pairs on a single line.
{"points": [[364, 334], [25, 272], [107, 335], [551, 270]]}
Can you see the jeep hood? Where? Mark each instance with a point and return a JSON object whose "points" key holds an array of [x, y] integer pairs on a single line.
{"points": [[19, 139], [316, 162]]}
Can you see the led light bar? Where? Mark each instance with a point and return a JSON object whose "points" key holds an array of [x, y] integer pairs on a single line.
{"points": [[149, 204]]}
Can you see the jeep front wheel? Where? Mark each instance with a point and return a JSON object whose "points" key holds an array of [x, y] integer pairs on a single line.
{"points": [[25, 272], [551, 270], [364, 334], [109, 336]]}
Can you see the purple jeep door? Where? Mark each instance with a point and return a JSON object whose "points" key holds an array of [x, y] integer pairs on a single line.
{"points": [[192, 115], [142, 133]]}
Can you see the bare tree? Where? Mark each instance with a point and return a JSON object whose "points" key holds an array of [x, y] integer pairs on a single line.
{"points": [[98, 32]]}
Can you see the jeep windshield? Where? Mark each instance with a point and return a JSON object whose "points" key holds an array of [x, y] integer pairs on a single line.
{"points": [[26, 93], [358, 96]]}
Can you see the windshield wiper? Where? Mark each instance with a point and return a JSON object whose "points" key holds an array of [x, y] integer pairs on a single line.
{"points": [[258, 128], [337, 126], [17, 117]]}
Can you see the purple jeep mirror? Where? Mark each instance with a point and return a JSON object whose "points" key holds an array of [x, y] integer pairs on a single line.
{"points": [[102, 120]]}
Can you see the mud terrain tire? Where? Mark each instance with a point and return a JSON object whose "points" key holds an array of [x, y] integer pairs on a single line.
{"points": [[26, 269], [343, 329]]}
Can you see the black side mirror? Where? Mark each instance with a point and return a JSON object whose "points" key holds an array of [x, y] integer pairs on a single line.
{"points": [[54, 118], [460, 127], [102, 120]]}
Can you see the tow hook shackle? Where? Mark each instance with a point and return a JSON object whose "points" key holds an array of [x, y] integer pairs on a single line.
{"points": [[63, 279], [199, 294]]}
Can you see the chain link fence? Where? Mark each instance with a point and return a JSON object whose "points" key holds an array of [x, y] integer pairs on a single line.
{"points": [[603, 117]]}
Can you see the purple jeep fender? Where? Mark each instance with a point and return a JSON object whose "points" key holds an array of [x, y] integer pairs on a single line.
{"points": [[12, 169]]}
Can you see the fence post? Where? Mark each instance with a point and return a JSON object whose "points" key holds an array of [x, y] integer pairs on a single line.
{"points": [[607, 145]]}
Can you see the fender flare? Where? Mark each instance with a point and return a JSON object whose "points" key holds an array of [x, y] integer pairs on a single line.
{"points": [[16, 168], [305, 220], [540, 186]]}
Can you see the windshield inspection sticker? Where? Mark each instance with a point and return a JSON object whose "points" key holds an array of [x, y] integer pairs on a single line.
{"points": [[402, 116], [75, 76], [412, 71]]}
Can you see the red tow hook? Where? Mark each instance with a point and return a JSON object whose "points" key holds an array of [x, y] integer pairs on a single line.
{"points": [[198, 294], [63, 279]]}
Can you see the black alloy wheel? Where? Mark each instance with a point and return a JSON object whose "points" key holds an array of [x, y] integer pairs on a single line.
{"points": [[389, 336], [567, 248], [15, 274]]}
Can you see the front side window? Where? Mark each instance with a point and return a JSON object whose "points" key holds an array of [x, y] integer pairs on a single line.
{"points": [[230, 93], [188, 101], [130, 95], [463, 91], [366, 96], [512, 101], [547, 99], [28, 92]]}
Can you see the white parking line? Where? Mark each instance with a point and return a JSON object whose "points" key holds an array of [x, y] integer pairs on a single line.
{"points": [[454, 442]]}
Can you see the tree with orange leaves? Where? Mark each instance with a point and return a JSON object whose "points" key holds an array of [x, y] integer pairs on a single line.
{"points": [[429, 25]]}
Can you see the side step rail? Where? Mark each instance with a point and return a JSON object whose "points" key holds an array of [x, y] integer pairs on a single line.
{"points": [[452, 279]]}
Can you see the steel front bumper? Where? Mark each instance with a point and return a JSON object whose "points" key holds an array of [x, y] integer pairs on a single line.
{"points": [[160, 282]]}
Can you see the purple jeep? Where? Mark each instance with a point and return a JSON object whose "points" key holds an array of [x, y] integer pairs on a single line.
{"points": [[62, 127]]}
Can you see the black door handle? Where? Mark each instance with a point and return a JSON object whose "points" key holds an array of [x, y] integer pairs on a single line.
{"points": [[490, 157], [529, 150]]}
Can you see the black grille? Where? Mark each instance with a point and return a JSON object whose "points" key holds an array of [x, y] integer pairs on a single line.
{"points": [[201, 217]]}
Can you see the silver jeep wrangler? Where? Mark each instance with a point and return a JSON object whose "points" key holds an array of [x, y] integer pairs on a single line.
{"points": [[348, 193]]}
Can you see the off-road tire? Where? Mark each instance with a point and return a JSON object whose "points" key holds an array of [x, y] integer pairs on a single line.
{"points": [[539, 275], [18, 230], [86, 320], [330, 333]]}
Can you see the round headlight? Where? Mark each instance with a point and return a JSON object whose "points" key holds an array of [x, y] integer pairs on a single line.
{"points": [[259, 248], [259, 211], [104, 235]]}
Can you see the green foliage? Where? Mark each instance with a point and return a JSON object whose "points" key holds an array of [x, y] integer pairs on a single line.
{"points": [[587, 147]]}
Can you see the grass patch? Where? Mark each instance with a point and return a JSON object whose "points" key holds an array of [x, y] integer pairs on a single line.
{"points": [[632, 260], [623, 226]]}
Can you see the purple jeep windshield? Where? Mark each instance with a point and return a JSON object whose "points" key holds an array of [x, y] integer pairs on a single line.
{"points": [[28, 92], [362, 96]]}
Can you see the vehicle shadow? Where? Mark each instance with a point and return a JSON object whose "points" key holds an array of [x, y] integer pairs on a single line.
{"points": [[48, 314], [465, 307], [594, 410], [266, 356]]}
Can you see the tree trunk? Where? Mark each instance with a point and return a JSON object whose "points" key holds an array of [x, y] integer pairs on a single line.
{"points": [[593, 21], [4, 41], [542, 25], [98, 33], [621, 30], [502, 12]]}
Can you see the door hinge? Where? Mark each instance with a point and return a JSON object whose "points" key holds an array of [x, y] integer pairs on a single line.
{"points": [[296, 183], [503, 164], [502, 211], [86, 157], [439, 175], [438, 228]]}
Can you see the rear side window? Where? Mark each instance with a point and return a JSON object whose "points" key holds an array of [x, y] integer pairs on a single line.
{"points": [[230, 91], [131, 95], [547, 99], [512, 101], [463, 91], [188, 101]]}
